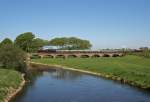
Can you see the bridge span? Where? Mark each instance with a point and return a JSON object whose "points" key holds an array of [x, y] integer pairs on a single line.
{"points": [[76, 54]]}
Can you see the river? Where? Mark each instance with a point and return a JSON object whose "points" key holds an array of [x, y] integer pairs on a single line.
{"points": [[59, 85]]}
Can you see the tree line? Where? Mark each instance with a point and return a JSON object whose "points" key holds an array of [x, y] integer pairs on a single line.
{"points": [[71, 43], [13, 53], [29, 43]]}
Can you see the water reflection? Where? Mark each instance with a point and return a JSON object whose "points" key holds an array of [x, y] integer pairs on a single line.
{"points": [[65, 75], [58, 85]]}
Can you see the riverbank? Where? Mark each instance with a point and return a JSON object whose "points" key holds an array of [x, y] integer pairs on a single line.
{"points": [[132, 70], [11, 82]]}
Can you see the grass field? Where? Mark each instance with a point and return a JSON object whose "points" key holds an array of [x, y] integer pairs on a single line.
{"points": [[8, 79], [132, 68]]}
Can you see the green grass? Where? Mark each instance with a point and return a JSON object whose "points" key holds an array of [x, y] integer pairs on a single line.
{"points": [[8, 79], [131, 68]]}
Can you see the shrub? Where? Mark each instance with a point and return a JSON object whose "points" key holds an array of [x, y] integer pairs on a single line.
{"points": [[12, 57]]}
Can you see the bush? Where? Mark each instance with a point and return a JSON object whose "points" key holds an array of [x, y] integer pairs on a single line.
{"points": [[6, 41], [12, 57], [144, 53]]}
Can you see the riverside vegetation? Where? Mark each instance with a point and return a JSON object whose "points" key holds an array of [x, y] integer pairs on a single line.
{"points": [[13, 55], [12, 66], [133, 69], [9, 80]]}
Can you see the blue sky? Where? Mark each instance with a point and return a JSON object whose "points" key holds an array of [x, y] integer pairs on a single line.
{"points": [[106, 23]]}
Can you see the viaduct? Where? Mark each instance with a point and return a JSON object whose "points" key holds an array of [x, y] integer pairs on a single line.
{"points": [[76, 54]]}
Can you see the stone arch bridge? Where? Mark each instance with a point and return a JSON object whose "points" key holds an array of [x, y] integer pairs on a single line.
{"points": [[76, 54]]}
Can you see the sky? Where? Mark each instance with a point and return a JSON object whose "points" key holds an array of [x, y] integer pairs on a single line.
{"points": [[106, 23]]}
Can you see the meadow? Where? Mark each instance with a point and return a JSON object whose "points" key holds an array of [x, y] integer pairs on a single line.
{"points": [[9, 80], [134, 69]]}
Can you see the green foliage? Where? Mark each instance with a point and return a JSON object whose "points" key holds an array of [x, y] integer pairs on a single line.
{"points": [[29, 43], [6, 41], [145, 52], [144, 48], [12, 57], [59, 41], [24, 41], [132, 68], [37, 43], [8, 79], [71, 43]]}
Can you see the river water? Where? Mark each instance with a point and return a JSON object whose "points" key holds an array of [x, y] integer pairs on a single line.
{"points": [[59, 85]]}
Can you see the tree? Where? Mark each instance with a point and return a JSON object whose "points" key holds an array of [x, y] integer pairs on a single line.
{"points": [[61, 42], [144, 48], [71, 43], [6, 41], [24, 41], [145, 51], [80, 44], [12, 57], [37, 43]]}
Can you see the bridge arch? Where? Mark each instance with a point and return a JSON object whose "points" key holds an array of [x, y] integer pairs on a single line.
{"points": [[48, 56], [95, 56], [115, 55], [84, 56], [72, 56], [60, 56], [35, 56], [106, 55]]}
